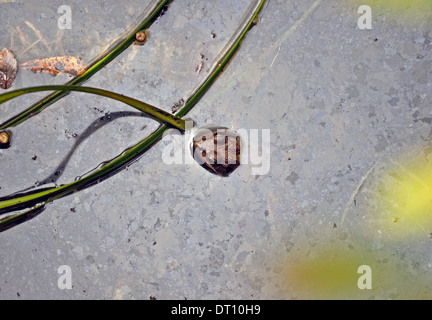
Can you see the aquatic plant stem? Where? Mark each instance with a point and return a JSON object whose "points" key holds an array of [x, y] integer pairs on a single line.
{"points": [[151, 111]]}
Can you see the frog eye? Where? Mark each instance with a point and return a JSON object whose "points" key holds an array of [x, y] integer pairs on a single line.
{"points": [[5, 139], [217, 149]]}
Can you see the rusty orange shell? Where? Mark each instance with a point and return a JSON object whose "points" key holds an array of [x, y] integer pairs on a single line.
{"points": [[5, 139], [55, 65], [141, 37]]}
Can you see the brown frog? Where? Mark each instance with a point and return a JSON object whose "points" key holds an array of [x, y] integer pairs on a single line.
{"points": [[217, 149]]}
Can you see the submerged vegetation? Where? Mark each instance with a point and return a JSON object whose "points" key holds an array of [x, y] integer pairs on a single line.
{"points": [[33, 202]]}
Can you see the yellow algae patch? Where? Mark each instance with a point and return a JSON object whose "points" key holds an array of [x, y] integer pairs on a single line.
{"points": [[404, 199]]}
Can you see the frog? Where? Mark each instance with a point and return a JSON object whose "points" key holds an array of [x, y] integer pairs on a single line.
{"points": [[220, 140]]}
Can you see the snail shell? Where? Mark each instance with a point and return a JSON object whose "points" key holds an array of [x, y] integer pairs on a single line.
{"points": [[5, 139], [217, 149], [141, 37]]}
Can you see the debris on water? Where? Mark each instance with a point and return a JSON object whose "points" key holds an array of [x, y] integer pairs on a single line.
{"points": [[177, 106], [8, 68], [55, 65]]}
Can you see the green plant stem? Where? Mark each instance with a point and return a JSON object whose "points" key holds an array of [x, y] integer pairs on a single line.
{"points": [[151, 111], [122, 43], [39, 199]]}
